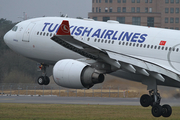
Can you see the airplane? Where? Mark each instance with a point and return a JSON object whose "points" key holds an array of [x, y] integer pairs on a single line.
{"points": [[83, 51]]}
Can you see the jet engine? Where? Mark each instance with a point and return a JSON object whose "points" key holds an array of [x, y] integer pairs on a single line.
{"points": [[75, 74]]}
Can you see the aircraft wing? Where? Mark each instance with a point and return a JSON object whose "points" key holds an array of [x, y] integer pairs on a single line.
{"points": [[129, 63], [64, 38], [144, 67]]}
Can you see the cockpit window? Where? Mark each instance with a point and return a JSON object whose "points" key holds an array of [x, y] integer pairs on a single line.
{"points": [[15, 28]]}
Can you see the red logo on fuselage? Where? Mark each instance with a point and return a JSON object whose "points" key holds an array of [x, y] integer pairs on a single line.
{"points": [[65, 28]]}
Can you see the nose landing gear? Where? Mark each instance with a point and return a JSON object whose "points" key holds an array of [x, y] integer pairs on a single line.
{"points": [[43, 80]]}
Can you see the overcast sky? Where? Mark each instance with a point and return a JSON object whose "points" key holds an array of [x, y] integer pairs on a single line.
{"points": [[13, 9]]}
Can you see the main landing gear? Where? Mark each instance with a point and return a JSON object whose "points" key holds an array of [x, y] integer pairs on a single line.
{"points": [[154, 99], [43, 80]]}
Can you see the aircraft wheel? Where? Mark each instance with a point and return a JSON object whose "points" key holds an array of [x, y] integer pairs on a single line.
{"points": [[41, 80], [156, 110], [166, 110], [145, 100], [47, 80]]}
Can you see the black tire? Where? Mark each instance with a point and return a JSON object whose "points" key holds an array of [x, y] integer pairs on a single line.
{"points": [[47, 80], [41, 80], [152, 100], [145, 100], [156, 110], [166, 110]]}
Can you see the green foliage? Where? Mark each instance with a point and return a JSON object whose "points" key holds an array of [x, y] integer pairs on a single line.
{"points": [[78, 112], [14, 68], [5, 26]]}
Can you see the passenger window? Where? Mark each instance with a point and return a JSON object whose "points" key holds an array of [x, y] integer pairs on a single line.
{"points": [[151, 46], [155, 47], [148, 46], [37, 33], [177, 49], [130, 44], [173, 49], [109, 41], [166, 48], [47, 34], [126, 43], [144, 45], [102, 41], [50, 34], [41, 33], [137, 45], [95, 40], [162, 48], [88, 39], [98, 40], [105, 41], [134, 44], [120, 43]]}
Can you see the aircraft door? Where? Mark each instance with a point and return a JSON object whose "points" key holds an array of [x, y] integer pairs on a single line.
{"points": [[27, 32], [174, 57]]}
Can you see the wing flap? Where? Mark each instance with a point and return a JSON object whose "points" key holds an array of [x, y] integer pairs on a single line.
{"points": [[144, 67]]}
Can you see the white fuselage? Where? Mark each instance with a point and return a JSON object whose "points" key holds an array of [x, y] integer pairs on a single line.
{"points": [[32, 39]]}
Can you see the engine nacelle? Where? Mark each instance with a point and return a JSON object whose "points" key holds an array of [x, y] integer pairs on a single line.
{"points": [[75, 74]]}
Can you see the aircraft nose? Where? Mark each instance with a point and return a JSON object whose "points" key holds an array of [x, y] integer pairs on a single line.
{"points": [[6, 37]]}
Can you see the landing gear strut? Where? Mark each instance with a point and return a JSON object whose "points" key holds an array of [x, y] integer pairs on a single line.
{"points": [[154, 99], [43, 80]]}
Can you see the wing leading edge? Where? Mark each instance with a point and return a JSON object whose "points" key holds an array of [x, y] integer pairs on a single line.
{"points": [[66, 40]]}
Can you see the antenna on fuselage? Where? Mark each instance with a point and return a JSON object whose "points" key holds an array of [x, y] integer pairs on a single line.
{"points": [[66, 16]]}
